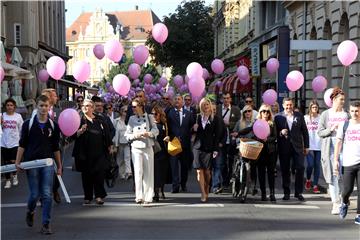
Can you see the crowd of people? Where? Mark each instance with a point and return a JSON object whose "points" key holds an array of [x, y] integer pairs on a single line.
{"points": [[137, 135]]}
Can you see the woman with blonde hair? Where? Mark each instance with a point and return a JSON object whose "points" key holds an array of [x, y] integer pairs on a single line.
{"points": [[206, 145], [268, 156], [313, 158]]}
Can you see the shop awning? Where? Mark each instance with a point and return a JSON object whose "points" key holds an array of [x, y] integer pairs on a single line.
{"points": [[232, 85]]}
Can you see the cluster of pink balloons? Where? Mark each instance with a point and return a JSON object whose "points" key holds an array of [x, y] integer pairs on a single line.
{"points": [[272, 65], [69, 121], [261, 129], [242, 73], [217, 66], [347, 52], [294, 80], [55, 66], [160, 32]]}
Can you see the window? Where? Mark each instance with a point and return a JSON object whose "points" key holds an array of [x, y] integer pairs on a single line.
{"points": [[17, 34]]}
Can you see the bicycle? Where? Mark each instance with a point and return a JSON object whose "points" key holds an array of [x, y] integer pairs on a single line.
{"points": [[241, 178]]}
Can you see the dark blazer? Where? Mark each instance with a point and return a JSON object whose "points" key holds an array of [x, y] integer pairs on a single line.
{"points": [[210, 135], [298, 137], [184, 131], [192, 111], [235, 115]]}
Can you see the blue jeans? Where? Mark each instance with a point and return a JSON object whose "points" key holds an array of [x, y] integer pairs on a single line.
{"points": [[313, 163], [217, 171], [40, 185]]}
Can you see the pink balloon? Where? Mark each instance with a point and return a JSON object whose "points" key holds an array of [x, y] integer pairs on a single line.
{"points": [[178, 81], [242, 72], [347, 52], [121, 84], [160, 32], [194, 69], [113, 50], [55, 66], [69, 121], [141, 54], [327, 99], [272, 65], [81, 71], [196, 86], [43, 75], [134, 70], [269, 96], [136, 82], [148, 78], [98, 51], [217, 66], [319, 84], [261, 129], [244, 81], [206, 74], [2, 74], [294, 80], [163, 81]]}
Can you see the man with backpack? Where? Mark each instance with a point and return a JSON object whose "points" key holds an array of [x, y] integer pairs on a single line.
{"points": [[39, 140], [348, 137]]}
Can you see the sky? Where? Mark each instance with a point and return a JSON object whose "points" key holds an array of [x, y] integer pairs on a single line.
{"points": [[160, 7]]}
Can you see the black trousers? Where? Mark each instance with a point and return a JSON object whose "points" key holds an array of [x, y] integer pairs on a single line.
{"points": [[93, 183], [288, 155], [350, 174], [227, 153], [266, 165]]}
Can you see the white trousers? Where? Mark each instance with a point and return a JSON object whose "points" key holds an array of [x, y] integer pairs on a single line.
{"points": [[123, 160], [143, 160]]}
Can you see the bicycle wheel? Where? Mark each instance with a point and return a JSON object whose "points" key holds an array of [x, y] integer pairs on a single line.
{"points": [[244, 183]]}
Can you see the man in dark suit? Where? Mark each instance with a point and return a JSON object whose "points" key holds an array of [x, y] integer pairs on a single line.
{"points": [[180, 123], [99, 110], [109, 110], [188, 105], [230, 114], [293, 144]]}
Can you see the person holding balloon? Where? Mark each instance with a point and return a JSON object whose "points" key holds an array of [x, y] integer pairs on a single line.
{"points": [[91, 153], [328, 126], [313, 158], [293, 144]]}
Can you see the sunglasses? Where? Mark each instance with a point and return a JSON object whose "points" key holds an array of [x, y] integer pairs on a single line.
{"points": [[187, 99], [248, 101], [80, 100], [265, 111], [166, 98], [247, 111], [108, 108]]}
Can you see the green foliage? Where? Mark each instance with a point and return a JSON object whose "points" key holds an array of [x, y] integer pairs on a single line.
{"points": [[190, 38]]}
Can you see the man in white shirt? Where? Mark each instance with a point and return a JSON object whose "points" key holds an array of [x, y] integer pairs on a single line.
{"points": [[348, 136]]}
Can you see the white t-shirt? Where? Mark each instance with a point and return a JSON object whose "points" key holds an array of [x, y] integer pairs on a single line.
{"points": [[11, 127], [312, 126], [336, 118], [351, 144]]}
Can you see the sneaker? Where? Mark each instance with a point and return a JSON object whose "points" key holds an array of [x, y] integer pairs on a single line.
{"points": [[30, 218], [15, 180], [335, 209], [46, 230], [316, 189], [343, 210], [218, 190], [7, 184], [307, 185], [357, 220]]}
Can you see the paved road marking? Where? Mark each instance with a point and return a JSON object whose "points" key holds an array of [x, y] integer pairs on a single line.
{"points": [[285, 206]]}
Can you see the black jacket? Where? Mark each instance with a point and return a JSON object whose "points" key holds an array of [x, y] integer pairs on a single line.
{"points": [[210, 135]]}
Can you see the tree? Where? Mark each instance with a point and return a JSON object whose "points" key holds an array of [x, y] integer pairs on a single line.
{"points": [[190, 38]]}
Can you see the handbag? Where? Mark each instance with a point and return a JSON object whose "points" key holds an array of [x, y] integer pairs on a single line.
{"points": [[174, 147], [156, 147]]}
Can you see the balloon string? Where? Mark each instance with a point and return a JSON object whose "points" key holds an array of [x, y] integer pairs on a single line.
{"points": [[342, 82]]}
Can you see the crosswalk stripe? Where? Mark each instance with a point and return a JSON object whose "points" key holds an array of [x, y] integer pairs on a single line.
{"points": [[286, 206]]}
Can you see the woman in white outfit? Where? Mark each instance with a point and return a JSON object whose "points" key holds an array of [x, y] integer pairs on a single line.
{"points": [[122, 146], [141, 132]]}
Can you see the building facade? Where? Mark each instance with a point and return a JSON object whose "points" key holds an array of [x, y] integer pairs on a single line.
{"points": [[325, 20], [91, 28]]}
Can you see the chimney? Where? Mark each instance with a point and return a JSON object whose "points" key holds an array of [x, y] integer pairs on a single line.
{"points": [[136, 7]]}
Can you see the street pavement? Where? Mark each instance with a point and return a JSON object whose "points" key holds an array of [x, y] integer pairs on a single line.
{"points": [[179, 216]]}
